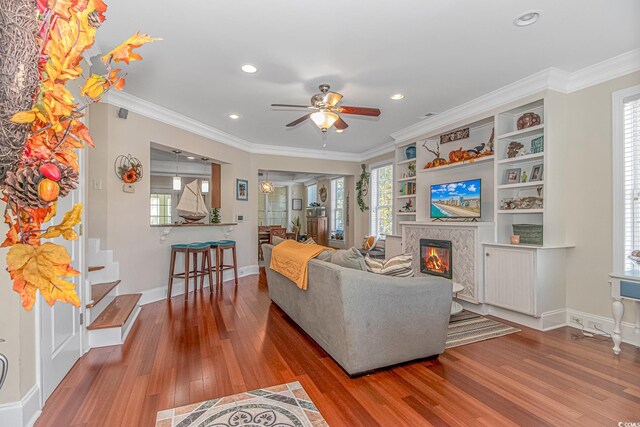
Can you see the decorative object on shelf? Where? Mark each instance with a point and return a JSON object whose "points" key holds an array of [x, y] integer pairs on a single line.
{"points": [[362, 187], [514, 239], [128, 169], [191, 206], [523, 178], [529, 202], [408, 207], [490, 143], [410, 152], [411, 167], [42, 47], [437, 161], [454, 136], [323, 194], [536, 172], [242, 189], [512, 176], [215, 216], [530, 234], [537, 145], [528, 120], [296, 204], [513, 149], [267, 186]]}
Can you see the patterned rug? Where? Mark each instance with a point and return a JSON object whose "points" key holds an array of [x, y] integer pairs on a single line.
{"points": [[466, 328], [286, 405]]}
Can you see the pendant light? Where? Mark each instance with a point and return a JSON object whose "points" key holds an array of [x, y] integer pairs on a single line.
{"points": [[177, 181], [324, 119], [266, 186], [204, 184]]}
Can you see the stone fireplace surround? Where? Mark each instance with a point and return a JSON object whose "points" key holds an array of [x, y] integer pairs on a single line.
{"points": [[466, 239]]}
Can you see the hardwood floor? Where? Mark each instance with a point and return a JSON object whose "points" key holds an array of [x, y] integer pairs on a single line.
{"points": [[237, 341]]}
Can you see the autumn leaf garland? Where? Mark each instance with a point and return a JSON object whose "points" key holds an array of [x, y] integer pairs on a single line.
{"points": [[49, 166]]}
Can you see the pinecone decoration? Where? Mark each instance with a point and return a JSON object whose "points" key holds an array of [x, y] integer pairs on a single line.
{"points": [[22, 188], [94, 19], [68, 180]]}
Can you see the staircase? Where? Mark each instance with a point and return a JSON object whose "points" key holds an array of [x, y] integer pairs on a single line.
{"points": [[109, 314]]}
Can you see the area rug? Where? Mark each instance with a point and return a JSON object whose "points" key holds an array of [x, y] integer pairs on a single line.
{"points": [[466, 328], [286, 405]]}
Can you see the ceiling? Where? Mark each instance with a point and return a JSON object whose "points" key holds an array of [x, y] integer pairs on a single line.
{"points": [[290, 177], [439, 54]]}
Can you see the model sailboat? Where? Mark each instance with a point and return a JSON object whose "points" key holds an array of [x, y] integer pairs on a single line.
{"points": [[191, 206]]}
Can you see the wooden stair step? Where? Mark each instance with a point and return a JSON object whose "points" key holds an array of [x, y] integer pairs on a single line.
{"points": [[116, 313], [99, 291], [95, 268]]}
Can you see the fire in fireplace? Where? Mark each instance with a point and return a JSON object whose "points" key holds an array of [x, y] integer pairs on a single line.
{"points": [[435, 257]]}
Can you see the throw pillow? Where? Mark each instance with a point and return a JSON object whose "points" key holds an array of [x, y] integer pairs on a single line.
{"points": [[349, 258], [309, 241], [277, 240], [370, 243], [399, 266], [325, 255]]}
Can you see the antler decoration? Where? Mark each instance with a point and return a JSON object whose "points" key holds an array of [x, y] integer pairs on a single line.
{"points": [[435, 152], [50, 129]]}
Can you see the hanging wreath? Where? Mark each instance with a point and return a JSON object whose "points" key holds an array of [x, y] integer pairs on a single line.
{"points": [[42, 134], [128, 169], [362, 187]]}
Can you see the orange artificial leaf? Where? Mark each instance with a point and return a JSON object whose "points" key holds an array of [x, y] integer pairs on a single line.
{"points": [[65, 228], [61, 7], [94, 86], [124, 52], [24, 117]]}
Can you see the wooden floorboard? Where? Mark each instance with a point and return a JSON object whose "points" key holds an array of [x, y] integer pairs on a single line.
{"points": [[236, 340], [99, 291], [116, 313]]}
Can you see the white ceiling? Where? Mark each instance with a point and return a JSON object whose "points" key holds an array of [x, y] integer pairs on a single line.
{"points": [[440, 54]]}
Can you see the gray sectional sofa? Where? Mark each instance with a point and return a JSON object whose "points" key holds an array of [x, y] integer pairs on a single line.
{"points": [[363, 320]]}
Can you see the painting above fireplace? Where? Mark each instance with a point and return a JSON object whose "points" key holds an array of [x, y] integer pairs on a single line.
{"points": [[436, 257]]}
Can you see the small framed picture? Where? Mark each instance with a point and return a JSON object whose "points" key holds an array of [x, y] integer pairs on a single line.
{"points": [[296, 204], [242, 189], [513, 176], [536, 172], [537, 145]]}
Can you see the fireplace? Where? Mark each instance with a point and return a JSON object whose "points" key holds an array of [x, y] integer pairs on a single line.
{"points": [[435, 257]]}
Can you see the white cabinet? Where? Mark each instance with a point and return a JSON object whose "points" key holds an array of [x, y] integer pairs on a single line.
{"points": [[510, 278], [525, 279], [393, 246]]}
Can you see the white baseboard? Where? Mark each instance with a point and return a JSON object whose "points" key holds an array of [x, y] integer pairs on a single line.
{"points": [[158, 294], [23, 413], [546, 322], [630, 334]]}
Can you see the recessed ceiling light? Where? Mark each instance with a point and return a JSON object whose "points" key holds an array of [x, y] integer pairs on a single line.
{"points": [[339, 130], [234, 116], [250, 69], [397, 96], [528, 18], [190, 157]]}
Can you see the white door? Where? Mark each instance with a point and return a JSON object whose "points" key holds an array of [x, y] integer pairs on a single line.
{"points": [[60, 329], [510, 278]]}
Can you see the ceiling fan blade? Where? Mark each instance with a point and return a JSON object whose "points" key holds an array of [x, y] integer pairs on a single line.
{"points": [[340, 124], [292, 106], [360, 111], [298, 121]]}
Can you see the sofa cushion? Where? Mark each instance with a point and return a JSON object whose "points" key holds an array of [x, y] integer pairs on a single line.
{"points": [[399, 266], [275, 240], [349, 258], [370, 243], [325, 255], [309, 241]]}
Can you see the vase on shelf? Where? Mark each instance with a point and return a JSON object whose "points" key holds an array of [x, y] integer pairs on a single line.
{"points": [[410, 152]]}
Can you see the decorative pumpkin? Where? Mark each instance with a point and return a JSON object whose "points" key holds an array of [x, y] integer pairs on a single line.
{"points": [[130, 176], [51, 171], [48, 190]]}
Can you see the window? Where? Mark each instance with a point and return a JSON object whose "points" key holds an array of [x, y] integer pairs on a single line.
{"points": [[631, 180], [337, 205], [273, 207], [312, 194], [160, 209], [381, 222]]}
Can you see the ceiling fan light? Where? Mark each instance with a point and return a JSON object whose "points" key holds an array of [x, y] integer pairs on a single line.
{"points": [[324, 119]]}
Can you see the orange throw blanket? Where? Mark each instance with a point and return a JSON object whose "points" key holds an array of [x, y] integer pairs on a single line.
{"points": [[291, 259]]}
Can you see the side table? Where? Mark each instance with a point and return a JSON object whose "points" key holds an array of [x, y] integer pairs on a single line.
{"points": [[624, 286], [456, 307]]}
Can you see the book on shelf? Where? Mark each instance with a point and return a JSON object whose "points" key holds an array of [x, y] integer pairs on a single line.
{"points": [[408, 188]]}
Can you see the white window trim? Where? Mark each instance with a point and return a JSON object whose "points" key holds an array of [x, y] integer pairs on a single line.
{"points": [[378, 165], [334, 198], [618, 173]]}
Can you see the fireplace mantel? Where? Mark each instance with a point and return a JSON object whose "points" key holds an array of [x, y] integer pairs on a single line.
{"points": [[447, 224]]}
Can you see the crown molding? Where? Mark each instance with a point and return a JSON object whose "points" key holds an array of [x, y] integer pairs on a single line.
{"points": [[306, 153], [386, 148], [548, 79]]}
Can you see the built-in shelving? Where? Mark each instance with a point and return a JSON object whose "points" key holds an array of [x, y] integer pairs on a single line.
{"points": [[521, 185], [404, 162], [456, 165], [522, 159], [405, 213], [521, 211], [523, 133], [409, 178], [406, 196]]}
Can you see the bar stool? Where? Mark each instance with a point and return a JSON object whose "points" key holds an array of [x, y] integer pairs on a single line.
{"points": [[214, 269], [222, 246], [190, 250]]}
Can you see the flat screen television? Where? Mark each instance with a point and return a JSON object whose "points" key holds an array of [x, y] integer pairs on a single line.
{"points": [[459, 199]]}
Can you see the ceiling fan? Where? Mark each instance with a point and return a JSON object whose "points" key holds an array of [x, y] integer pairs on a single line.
{"points": [[326, 102]]}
